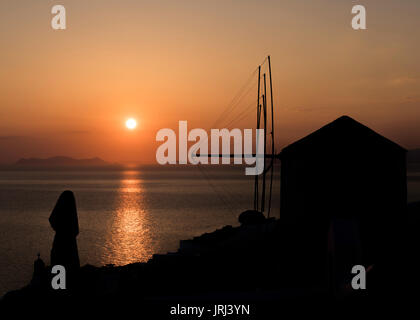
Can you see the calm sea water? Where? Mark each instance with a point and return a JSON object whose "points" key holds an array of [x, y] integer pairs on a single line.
{"points": [[124, 215]]}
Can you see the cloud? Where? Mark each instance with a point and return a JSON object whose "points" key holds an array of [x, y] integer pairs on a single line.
{"points": [[3, 138], [304, 109], [402, 81], [413, 98], [77, 132]]}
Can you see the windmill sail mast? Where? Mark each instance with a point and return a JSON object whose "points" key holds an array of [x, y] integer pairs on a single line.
{"points": [[258, 126], [264, 109], [265, 143], [272, 138]]}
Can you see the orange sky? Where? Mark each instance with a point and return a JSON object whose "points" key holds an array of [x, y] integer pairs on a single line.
{"points": [[69, 92]]}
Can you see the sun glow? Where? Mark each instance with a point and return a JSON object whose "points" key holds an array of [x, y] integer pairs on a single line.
{"points": [[131, 124], [128, 237]]}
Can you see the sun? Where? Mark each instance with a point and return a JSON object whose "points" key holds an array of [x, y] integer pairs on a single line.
{"points": [[131, 124]]}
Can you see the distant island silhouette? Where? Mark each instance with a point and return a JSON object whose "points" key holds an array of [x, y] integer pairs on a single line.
{"points": [[413, 157], [62, 161]]}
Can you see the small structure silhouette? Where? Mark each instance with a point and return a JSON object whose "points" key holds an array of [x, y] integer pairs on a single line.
{"points": [[64, 221], [342, 172], [40, 273], [250, 217]]}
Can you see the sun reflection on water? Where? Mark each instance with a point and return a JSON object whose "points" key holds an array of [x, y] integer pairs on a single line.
{"points": [[128, 237]]}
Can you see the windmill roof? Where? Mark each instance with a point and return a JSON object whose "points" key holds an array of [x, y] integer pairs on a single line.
{"points": [[342, 133]]}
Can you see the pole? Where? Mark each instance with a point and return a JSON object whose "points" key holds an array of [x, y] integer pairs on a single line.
{"points": [[265, 143], [258, 126], [272, 138]]}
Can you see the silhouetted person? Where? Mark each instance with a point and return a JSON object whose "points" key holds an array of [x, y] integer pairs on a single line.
{"points": [[64, 221]]}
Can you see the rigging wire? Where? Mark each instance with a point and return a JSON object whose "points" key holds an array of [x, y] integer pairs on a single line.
{"points": [[236, 99], [226, 203], [226, 117]]}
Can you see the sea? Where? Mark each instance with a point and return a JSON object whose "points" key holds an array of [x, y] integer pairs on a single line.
{"points": [[126, 214]]}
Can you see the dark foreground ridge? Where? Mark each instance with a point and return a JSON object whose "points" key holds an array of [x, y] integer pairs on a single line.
{"points": [[343, 203], [243, 265]]}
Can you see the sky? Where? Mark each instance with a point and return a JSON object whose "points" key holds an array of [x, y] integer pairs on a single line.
{"points": [[69, 92]]}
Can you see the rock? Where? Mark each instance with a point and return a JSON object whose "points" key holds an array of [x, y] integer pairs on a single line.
{"points": [[250, 217]]}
